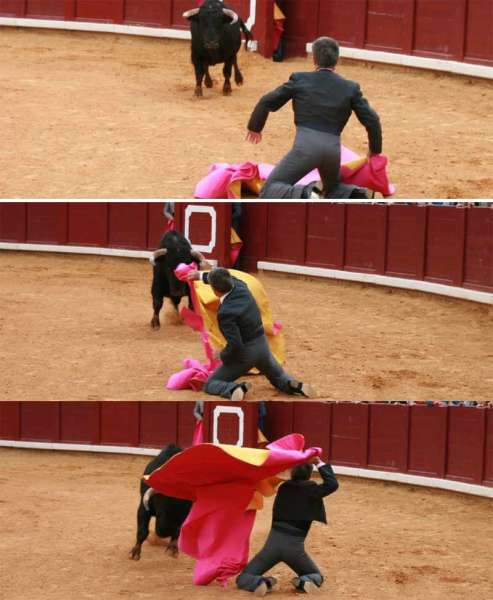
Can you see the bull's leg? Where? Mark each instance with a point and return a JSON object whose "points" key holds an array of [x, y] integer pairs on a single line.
{"points": [[207, 80], [172, 547], [143, 519], [176, 302], [199, 76], [227, 69], [157, 304], [238, 75]]}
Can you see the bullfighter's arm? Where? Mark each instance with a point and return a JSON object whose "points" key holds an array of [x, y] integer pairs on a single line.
{"points": [[271, 102], [369, 118], [329, 482]]}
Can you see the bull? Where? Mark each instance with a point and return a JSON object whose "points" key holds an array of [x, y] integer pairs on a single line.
{"points": [[170, 513], [174, 249], [216, 38]]}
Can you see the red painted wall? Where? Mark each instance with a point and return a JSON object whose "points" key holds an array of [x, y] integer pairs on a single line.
{"points": [[152, 13], [447, 29], [446, 442], [441, 244]]}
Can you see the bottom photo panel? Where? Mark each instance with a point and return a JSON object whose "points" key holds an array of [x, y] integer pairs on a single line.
{"points": [[228, 499]]}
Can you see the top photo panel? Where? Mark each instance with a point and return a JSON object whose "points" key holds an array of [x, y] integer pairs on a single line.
{"points": [[270, 99]]}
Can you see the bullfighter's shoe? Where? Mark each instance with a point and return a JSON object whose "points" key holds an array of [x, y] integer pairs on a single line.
{"points": [[240, 391], [271, 583], [306, 587], [316, 191], [298, 388], [261, 589]]}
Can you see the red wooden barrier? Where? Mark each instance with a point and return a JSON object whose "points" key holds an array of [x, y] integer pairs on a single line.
{"points": [[454, 443], [80, 423], [427, 440], [120, 423], [151, 13], [440, 244], [466, 445], [40, 421], [388, 437], [448, 29], [349, 435]]}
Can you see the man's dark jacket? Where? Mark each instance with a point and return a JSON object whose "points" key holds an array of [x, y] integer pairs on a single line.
{"points": [[239, 320], [298, 503], [322, 100]]}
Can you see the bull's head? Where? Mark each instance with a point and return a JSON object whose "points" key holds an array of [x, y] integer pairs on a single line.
{"points": [[211, 18]]}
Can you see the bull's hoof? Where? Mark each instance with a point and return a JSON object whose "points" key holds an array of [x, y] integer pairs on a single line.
{"points": [[198, 92], [227, 90], [172, 549], [239, 80], [155, 324], [134, 554], [208, 82]]}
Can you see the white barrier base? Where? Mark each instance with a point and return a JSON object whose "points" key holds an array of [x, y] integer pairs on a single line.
{"points": [[433, 482], [159, 32], [396, 282], [417, 62], [92, 250]]}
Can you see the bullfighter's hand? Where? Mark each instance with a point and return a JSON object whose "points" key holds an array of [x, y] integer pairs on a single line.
{"points": [[193, 276], [253, 137]]}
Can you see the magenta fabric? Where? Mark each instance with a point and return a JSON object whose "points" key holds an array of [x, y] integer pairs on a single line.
{"points": [[371, 173], [195, 373], [217, 183], [217, 530]]}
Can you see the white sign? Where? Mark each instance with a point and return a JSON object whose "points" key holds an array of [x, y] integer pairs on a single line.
{"points": [[208, 210], [230, 410]]}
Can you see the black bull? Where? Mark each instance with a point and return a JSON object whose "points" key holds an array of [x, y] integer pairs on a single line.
{"points": [[174, 249], [216, 38], [170, 513]]}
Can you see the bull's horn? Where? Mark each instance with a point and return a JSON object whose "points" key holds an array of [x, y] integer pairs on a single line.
{"points": [[160, 252], [190, 13], [232, 14]]}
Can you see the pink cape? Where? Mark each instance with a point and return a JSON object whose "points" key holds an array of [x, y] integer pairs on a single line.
{"points": [[369, 173], [222, 485], [195, 373]]}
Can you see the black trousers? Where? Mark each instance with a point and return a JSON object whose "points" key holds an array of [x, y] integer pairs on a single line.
{"points": [[279, 547], [255, 354], [312, 149]]}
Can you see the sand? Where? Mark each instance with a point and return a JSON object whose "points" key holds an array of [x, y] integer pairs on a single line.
{"points": [[88, 115], [77, 328], [67, 523]]}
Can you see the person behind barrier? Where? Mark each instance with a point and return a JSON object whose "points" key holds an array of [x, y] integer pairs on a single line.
{"points": [[298, 503], [323, 102], [240, 322]]}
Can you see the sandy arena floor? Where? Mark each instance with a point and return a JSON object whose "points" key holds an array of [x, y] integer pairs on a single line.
{"points": [[77, 328], [103, 116], [67, 522]]}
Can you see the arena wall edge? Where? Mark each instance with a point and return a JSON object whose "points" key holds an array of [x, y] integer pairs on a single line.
{"points": [[436, 446], [406, 33], [429, 482], [397, 282], [436, 249]]}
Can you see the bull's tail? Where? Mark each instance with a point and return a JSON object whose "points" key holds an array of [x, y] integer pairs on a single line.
{"points": [[247, 33]]}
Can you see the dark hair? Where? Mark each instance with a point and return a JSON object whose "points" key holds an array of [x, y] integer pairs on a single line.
{"points": [[221, 280], [325, 52], [302, 472]]}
